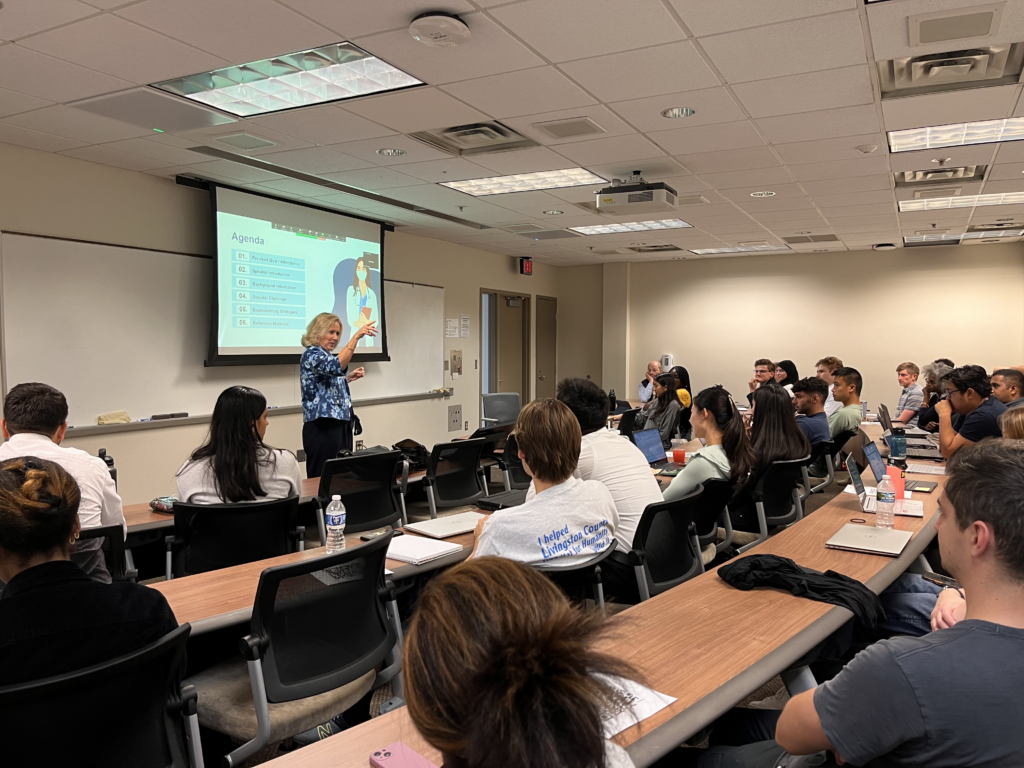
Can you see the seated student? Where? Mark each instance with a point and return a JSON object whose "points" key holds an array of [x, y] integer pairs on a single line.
{"points": [[500, 670], [969, 396], [1012, 424], [951, 698], [945, 361], [664, 412], [559, 508], [235, 465], [764, 372], [809, 398], [34, 424], [786, 375], [846, 388], [912, 398], [682, 378], [726, 453], [933, 391], [646, 389], [1008, 387], [53, 618], [823, 370]]}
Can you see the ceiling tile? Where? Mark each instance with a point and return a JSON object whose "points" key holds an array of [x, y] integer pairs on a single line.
{"points": [[415, 151], [615, 149], [754, 206], [767, 217], [11, 102], [840, 169], [106, 4], [957, 214], [708, 17], [154, 150], [667, 69], [827, 124], [76, 124], [843, 186], [315, 160], [977, 154], [449, 169], [532, 204], [355, 18], [788, 48], [211, 137], [806, 92], [23, 137], [707, 138], [562, 30], [612, 124], [1006, 172], [372, 179], [998, 187], [113, 157], [1008, 152], [528, 92], [871, 209], [235, 171], [419, 109], [652, 169], [122, 49], [323, 125], [236, 30], [491, 52], [48, 78], [823, 150], [529, 160], [756, 177], [963, 106], [793, 228], [853, 198], [296, 187], [732, 160], [27, 17], [744, 194], [712, 105]]}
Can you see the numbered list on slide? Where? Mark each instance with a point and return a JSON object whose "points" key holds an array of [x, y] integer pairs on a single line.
{"points": [[269, 291]]}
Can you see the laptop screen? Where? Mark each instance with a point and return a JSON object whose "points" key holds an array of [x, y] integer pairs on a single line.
{"points": [[883, 417], [858, 484], [875, 460], [649, 442]]}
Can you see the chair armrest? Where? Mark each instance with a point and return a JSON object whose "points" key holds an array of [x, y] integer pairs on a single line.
{"points": [[251, 647], [132, 576], [636, 557], [189, 698], [388, 591]]}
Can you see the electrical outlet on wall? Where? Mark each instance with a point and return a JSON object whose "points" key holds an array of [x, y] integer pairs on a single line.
{"points": [[467, 426], [360, 445], [455, 418]]}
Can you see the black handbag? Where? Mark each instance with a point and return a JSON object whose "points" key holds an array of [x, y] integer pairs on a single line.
{"points": [[415, 453]]}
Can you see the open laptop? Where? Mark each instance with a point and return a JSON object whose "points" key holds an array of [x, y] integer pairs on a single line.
{"points": [[869, 501], [878, 468], [649, 443], [885, 419], [868, 538], [917, 447]]}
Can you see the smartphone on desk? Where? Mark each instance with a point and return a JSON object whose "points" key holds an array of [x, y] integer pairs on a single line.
{"points": [[399, 755]]}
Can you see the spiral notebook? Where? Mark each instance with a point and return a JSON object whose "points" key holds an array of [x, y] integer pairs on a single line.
{"points": [[418, 550]]}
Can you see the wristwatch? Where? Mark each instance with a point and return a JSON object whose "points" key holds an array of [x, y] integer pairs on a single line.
{"points": [[958, 590]]}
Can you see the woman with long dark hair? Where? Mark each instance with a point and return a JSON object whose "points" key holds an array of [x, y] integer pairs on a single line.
{"points": [[234, 464], [664, 413], [726, 454], [682, 377]]}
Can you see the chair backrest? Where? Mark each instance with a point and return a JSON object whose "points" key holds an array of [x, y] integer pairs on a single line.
{"points": [[664, 538], [368, 486], [215, 536], [709, 508], [628, 422], [500, 407], [839, 441], [323, 623], [820, 450], [776, 487], [453, 471], [111, 543], [126, 711], [517, 475]]}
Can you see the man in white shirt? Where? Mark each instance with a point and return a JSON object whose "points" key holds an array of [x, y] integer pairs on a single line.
{"points": [[34, 423], [565, 521], [646, 388], [824, 370]]}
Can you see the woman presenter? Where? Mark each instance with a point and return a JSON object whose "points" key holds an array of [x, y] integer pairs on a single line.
{"points": [[324, 379], [361, 306]]}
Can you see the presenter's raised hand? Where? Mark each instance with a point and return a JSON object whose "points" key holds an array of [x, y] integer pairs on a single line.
{"points": [[369, 329], [357, 374]]}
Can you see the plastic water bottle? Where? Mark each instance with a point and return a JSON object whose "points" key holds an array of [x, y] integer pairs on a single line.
{"points": [[335, 520], [885, 509]]}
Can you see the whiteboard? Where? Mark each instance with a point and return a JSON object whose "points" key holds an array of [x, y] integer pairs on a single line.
{"points": [[119, 328]]}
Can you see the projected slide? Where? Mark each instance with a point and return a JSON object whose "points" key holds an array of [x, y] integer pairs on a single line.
{"points": [[280, 264]]}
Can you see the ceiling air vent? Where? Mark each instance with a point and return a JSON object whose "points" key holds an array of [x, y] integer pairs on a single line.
{"points": [[570, 128], [245, 141], [655, 248], [519, 229], [940, 175], [930, 192], [551, 234], [810, 239], [940, 26], [995, 227], [475, 139], [951, 71], [610, 251]]}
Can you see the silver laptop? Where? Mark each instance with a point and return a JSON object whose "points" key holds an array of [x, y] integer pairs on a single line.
{"points": [[911, 432], [867, 538], [449, 525]]}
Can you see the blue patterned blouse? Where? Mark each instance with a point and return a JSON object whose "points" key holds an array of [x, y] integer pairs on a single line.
{"points": [[324, 387]]}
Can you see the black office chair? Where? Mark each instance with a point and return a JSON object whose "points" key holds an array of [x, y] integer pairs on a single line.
{"points": [[569, 579], [821, 457], [319, 629], [512, 466], [500, 408], [132, 710], [776, 497], [496, 438], [208, 537], [628, 423], [454, 477], [369, 488], [111, 548], [711, 512], [665, 549]]}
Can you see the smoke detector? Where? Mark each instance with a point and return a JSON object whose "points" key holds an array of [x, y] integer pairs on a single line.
{"points": [[439, 29]]}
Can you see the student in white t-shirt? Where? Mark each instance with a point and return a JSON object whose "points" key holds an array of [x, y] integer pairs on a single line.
{"points": [[565, 521]]}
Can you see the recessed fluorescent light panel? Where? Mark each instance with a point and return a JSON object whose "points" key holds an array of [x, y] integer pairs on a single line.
{"points": [[966, 201], [964, 236], [748, 249], [633, 226], [957, 135], [526, 182], [316, 76]]}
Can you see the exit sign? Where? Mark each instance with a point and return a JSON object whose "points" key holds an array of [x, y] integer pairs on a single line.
{"points": [[525, 266]]}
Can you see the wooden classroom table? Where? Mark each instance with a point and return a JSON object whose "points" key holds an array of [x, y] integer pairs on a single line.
{"points": [[703, 642]]}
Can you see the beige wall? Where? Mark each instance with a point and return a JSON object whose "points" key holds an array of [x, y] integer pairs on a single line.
{"points": [[616, 320], [49, 194], [871, 309]]}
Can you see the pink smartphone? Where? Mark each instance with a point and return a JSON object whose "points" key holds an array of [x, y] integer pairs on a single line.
{"points": [[399, 755]]}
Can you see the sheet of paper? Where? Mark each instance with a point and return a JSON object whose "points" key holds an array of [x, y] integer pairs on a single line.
{"points": [[643, 702], [926, 469], [465, 326], [451, 328]]}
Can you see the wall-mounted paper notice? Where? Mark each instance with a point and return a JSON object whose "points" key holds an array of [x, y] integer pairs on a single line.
{"points": [[465, 326], [451, 328]]}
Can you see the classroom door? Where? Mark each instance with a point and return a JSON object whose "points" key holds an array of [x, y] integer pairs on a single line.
{"points": [[511, 322], [547, 334]]}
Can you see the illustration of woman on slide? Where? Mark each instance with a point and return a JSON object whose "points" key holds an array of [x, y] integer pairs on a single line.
{"points": [[362, 303]]}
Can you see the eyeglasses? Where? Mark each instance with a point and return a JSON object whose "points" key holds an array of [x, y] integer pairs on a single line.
{"points": [[762, 370]]}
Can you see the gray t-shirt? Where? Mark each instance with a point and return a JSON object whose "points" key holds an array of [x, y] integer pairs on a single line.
{"points": [[951, 699], [278, 472]]}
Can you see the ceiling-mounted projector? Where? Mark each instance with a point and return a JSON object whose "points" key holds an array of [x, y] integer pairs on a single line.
{"points": [[634, 195]]}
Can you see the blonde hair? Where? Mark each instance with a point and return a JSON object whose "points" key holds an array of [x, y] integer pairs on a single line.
{"points": [[317, 327], [1011, 422]]}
